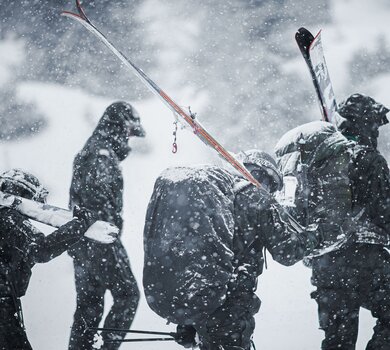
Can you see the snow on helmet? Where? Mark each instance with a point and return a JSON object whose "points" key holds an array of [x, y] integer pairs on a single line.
{"points": [[124, 116], [264, 162], [21, 183], [363, 110]]}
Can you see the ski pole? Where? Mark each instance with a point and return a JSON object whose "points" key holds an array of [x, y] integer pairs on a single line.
{"points": [[137, 340], [172, 334]]}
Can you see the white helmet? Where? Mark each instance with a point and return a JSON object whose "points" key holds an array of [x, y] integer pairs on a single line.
{"points": [[254, 159]]}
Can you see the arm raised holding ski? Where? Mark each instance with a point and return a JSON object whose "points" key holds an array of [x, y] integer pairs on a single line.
{"points": [[22, 245]]}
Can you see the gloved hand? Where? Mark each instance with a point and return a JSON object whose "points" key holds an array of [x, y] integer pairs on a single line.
{"points": [[84, 215], [311, 237], [185, 336]]}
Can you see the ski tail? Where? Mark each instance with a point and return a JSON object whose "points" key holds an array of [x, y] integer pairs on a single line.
{"points": [[304, 39], [313, 54]]}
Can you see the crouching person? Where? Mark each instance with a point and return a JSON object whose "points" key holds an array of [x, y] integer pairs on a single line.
{"points": [[206, 229], [22, 246]]}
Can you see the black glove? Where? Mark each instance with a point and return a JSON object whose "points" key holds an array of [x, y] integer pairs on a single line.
{"points": [[84, 215], [185, 336]]}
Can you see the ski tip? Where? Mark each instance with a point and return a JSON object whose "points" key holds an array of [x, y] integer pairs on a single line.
{"points": [[304, 39]]}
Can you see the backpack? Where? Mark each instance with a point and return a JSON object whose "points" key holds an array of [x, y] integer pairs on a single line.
{"points": [[188, 243], [314, 160]]}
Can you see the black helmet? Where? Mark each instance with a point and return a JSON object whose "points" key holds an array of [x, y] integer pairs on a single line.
{"points": [[262, 166], [121, 117], [21, 183], [363, 110]]}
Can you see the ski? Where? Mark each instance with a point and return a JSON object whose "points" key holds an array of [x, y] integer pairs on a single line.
{"points": [[187, 118], [313, 53], [100, 231]]}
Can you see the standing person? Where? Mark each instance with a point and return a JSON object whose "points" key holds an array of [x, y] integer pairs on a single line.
{"points": [[205, 232], [22, 245], [360, 275], [97, 184], [348, 188]]}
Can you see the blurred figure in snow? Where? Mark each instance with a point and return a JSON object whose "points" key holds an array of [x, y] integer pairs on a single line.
{"points": [[205, 232], [22, 245], [97, 184]]}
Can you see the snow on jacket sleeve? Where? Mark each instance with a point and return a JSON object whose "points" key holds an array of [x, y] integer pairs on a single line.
{"points": [[263, 223], [44, 248], [286, 245]]}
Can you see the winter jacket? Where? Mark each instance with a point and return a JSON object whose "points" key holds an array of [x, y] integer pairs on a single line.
{"points": [[204, 235], [97, 185], [22, 246]]}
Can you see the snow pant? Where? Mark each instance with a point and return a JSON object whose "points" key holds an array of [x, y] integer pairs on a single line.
{"points": [[110, 271], [12, 333], [230, 326], [347, 280]]}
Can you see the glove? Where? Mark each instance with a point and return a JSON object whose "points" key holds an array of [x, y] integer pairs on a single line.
{"points": [[313, 237], [185, 336], [84, 215]]}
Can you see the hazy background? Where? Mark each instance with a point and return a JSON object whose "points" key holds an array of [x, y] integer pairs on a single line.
{"points": [[234, 62]]}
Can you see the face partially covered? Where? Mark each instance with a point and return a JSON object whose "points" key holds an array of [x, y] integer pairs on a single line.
{"points": [[119, 122], [134, 125], [264, 177], [361, 118]]}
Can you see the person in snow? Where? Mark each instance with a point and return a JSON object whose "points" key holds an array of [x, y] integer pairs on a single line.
{"points": [[205, 232], [343, 183], [22, 246], [97, 184], [359, 276]]}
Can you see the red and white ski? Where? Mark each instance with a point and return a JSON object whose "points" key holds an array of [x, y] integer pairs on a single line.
{"points": [[313, 53], [185, 117]]}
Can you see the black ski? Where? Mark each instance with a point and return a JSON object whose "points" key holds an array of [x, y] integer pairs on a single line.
{"points": [[313, 53]]}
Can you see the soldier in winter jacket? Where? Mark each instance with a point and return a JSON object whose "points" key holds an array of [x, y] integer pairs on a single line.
{"points": [[205, 232], [22, 246], [97, 184], [345, 185], [359, 276]]}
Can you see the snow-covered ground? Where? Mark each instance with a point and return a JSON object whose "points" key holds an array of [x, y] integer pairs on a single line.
{"points": [[288, 317]]}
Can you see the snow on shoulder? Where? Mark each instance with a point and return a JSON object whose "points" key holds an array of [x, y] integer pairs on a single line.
{"points": [[305, 131], [198, 173]]}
